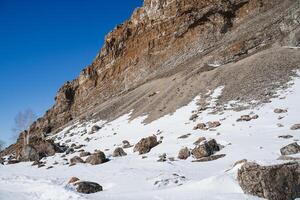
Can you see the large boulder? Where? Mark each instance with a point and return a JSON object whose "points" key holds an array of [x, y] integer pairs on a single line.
{"points": [[277, 182], [86, 187], [206, 149], [290, 149], [96, 158], [145, 145]]}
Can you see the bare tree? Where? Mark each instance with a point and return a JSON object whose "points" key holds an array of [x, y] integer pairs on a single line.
{"points": [[23, 120]]}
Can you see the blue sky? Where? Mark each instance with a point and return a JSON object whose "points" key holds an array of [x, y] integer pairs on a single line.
{"points": [[45, 43]]}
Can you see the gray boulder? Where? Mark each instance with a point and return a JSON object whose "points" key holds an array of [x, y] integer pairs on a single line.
{"points": [[86, 187], [277, 182], [290, 149]]}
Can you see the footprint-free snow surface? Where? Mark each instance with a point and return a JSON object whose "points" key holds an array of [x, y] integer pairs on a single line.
{"points": [[141, 176]]}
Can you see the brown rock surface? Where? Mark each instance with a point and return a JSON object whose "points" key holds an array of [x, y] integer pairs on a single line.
{"points": [[277, 182]]}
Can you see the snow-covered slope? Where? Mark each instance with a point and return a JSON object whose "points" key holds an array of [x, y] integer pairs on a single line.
{"points": [[141, 176]]}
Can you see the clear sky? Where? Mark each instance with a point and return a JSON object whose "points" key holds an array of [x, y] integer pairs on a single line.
{"points": [[45, 43]]}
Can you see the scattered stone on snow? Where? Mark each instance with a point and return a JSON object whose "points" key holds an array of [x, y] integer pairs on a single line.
{"points": [[96, 158], [295, 127], [201, 126], [290, 149], [119, 152], [194, 117], [162, 158], [285, 136], [279, 110], [206, 149], [184, 136], [184, 153], [145, 145], [86, 187], [126, 144]]}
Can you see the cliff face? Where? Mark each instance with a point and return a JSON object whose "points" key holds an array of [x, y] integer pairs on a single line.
{"points": [[161, 39]]}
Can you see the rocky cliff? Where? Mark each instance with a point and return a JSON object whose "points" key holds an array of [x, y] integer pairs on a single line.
{"points": [[176, 47]]}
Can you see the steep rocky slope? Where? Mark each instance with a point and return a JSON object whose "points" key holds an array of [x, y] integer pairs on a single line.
{"points": [[169, 51]]}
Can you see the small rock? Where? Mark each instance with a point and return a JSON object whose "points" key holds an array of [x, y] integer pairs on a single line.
{"points": [[172, 159], [162, 158], [200, 126], [244, 118], [95, 128], [50, 167], [119, 152], [295, 127], [126, 144], [184, 136], [73, 180], [214, 124], [285, 136], [193, 117], [290, 149], [184, 153], [280, 125], [279, 110], [86, 187]]}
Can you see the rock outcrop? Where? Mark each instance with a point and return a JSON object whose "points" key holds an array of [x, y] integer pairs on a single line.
{"points": [[277, 182], [170, 44]]}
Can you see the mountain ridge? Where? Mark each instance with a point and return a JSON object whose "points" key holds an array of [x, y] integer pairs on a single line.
{"points": [[163, 40]]}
